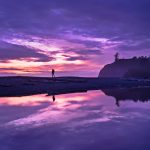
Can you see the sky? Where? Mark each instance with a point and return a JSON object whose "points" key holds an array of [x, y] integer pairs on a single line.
{"points": [[75, 37]]}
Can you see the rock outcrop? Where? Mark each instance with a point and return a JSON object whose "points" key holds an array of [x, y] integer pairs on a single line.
{"points": [[129, 68]]}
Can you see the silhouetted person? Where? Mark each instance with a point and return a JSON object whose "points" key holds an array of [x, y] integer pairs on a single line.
{"points": [[53, 97], [53, 73], [116, 56]]}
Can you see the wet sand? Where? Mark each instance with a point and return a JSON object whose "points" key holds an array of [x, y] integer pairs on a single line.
{"points": [[21, 86]]}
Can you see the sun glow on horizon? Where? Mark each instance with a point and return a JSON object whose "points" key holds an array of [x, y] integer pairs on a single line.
{"points": [[55, 50]]}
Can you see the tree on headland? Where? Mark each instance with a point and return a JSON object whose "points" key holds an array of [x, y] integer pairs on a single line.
{"points": [[116, 56]]}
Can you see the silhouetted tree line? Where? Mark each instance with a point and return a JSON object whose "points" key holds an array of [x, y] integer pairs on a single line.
{"points": [[135, 58], [138, 67]]}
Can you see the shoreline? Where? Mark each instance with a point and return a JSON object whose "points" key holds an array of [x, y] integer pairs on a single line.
{"points": [[23, 86]]}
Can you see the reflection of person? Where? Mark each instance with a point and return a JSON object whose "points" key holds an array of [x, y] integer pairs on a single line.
{"points": [[117, 102], [53, 97], [53, 73]]}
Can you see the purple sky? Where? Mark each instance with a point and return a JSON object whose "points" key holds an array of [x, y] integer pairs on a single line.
{"points": [[76, 37]]}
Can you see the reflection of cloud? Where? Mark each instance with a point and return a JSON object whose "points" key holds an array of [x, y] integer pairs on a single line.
{"points": [[74, 110], [69, 108], [34, 100]]}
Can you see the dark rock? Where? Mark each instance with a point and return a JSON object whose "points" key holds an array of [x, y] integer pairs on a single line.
{"points": [[129, 68]]}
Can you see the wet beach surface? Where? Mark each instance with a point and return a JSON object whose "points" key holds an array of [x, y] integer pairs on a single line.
{"points": [[24, 86]]}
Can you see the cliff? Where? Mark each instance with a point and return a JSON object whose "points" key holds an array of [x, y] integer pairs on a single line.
{"points": [[141, 94], [129, 68]]}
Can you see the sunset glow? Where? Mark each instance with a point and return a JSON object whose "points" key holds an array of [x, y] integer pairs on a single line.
{"points": [[69, 38], [74, 74]]}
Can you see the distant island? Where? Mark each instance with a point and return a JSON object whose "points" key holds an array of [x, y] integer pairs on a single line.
{"points": [[136, 67]]}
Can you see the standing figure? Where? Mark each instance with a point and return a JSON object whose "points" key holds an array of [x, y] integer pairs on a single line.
{"points": [[53, 73], [53, 97]]}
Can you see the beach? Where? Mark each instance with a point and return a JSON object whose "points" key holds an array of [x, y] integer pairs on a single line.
{"points": [[22, 86]]}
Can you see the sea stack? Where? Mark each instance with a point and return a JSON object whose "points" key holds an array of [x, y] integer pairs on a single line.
{"points": [[128, 68]]}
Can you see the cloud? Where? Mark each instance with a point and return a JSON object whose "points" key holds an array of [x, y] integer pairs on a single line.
{"points": [[87, 30], [84, 52], [136, 45], [74, 58], [98, 19], [10, 69], [13, 52]]}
